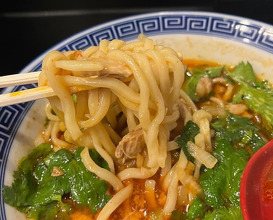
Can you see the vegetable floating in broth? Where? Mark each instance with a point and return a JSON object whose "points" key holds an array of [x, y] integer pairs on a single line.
{"points": [[135, 133]]}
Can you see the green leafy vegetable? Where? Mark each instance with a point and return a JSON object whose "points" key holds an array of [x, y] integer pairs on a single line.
{"points": [[54, 210], [197, 209], [243, 72], [232, 213], [193, 78], [46, 122], [178, 215], [258, 100], [98, 159], [38, 192], [238, 130], [28, 162], [75, 98], [23, 189], [257, 95], [189, 132], [221, 185], [236, 139]]}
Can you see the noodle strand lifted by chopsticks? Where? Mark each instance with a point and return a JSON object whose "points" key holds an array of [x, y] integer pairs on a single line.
{"points": [[157, 73], [127, 100]]}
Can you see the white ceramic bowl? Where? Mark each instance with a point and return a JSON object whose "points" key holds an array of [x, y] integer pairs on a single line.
{"points": [[199, 35]]}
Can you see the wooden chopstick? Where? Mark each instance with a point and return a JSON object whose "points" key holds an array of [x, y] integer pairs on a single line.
{"points": [[23, 95], [32, 94], [19, 79], [26, 95]]}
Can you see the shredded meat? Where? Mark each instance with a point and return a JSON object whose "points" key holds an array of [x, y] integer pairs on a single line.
{"points": [[237, 109], [114, 69], [130, 145], [110, 67], [204, 87]]}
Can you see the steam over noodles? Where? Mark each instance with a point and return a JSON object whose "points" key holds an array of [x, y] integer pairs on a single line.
{"points": [[126, 101]]}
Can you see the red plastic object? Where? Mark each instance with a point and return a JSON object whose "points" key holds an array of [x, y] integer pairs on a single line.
{"points": [[255, 196]]}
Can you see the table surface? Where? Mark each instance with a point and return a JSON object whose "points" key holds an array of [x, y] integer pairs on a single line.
{"points": [[30, 27]]}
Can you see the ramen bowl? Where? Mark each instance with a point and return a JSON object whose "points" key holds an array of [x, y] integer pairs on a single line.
{"points": [[213, 37]]}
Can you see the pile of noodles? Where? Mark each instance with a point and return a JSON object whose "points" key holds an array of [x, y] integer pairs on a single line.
{"points": [[125, 100]]}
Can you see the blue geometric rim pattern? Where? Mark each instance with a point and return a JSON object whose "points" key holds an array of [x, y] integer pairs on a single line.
{"points": [[243, 30]]}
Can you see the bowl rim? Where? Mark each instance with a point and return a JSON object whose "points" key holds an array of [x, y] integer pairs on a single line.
{"points": [[241, 19], [262, 26]]}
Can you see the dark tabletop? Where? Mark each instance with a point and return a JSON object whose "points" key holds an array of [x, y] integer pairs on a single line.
{"points": [[29, 27]]}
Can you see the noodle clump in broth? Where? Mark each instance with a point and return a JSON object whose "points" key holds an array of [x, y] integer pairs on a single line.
{"points": [[136, 132], [126, 102]]}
